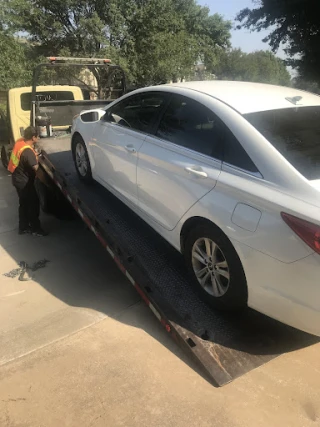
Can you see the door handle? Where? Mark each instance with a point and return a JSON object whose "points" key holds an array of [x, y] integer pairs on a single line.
{"points": [[130, 149], [198, 172]]}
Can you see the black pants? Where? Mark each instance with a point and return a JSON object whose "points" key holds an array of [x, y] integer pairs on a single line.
{"points": [[29, 208]]}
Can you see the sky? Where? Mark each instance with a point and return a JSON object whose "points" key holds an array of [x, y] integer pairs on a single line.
{"points": [[246, 40]]}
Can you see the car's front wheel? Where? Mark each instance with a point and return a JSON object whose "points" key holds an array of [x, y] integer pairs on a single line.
{"points": [[215, 267], [81, 159]]}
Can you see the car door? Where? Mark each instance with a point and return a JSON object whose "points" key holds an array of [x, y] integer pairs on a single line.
{"points": [[181, 162], [118, 138]]}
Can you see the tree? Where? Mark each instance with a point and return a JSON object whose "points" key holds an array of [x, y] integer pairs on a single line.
{"points": [[295, 24], [260, 66], [309, 86], [15, 67], [154, 40]]}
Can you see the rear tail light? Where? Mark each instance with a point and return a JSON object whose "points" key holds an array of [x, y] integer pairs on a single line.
{"points": [[307, 231]]}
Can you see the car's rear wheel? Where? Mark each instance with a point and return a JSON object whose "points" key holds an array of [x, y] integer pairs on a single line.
{"points": [[81, 159], [215, 267]]}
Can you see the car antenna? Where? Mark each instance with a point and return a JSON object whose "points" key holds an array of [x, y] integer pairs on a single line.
{"points": [[294, 100]]}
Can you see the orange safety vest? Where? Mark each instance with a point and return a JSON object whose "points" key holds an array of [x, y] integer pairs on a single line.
{"points": [[18, 149]]}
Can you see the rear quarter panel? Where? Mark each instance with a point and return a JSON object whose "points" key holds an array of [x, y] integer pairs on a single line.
{"points": [[266, 233]]}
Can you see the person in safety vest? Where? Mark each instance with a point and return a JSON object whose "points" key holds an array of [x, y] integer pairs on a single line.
{"points": [[23, 165]]}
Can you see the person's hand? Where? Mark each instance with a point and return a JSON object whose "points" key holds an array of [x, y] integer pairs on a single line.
{"points": [[37, 153]]}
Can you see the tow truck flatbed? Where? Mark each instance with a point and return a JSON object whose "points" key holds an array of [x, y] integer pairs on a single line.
{"points": [[225, 345]]}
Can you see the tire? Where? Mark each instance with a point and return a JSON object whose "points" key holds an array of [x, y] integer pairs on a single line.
{"points": [[81, 159], [225, 291], [4, 157]]}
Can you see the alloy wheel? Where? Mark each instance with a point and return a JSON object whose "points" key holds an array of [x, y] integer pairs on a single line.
{"points": [[81, 160], [210, 267]]}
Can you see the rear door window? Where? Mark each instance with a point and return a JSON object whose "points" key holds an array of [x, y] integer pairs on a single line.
{"points": [[189, 124], [235, 155]]}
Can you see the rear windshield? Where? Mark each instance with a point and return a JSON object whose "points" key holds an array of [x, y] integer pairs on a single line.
{"points": [[55, 95], [295, 133]]}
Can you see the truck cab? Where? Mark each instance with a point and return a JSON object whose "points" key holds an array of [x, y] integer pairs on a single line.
{"points": [[80, 84], [17, 116]]}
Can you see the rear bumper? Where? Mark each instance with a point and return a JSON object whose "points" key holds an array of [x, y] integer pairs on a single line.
{"points": [[289, 293], [287, 311]]}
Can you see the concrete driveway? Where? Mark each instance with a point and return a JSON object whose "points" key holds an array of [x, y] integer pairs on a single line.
{"points": [[79, 348]]}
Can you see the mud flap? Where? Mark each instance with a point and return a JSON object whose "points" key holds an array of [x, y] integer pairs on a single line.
{"points": [[51, 200]]}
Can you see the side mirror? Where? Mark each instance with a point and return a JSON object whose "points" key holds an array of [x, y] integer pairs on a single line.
{"points": [[92, 116]]}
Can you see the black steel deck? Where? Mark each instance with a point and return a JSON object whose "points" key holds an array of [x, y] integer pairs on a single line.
{"points": [[227, 346]]}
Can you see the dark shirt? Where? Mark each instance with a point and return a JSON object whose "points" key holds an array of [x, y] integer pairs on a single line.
{"points": [[24, 173]]}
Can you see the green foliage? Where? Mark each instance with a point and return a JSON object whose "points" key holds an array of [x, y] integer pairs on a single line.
{"points": [[154, 40], [260, 66], [309, 86], [293, 23], [15, 64]]}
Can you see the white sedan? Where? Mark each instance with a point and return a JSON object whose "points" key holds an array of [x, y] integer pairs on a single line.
{"points": [[229, 174]]}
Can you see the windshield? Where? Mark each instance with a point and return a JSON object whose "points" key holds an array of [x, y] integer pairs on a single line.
{"points": [[295, 133]]}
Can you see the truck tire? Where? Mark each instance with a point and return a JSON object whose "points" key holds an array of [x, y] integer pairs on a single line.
{"points": [[81, 159], [4, 157], [215, 267]]}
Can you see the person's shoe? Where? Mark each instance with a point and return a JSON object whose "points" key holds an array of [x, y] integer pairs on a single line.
{"points": [[39, 233], [24, 231]]}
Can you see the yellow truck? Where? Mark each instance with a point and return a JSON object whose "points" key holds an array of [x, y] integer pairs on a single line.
{"points": [[90, 83], [17, 116]]}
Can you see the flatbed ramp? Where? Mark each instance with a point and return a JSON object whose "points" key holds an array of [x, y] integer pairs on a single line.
{"points": [[226, 346]]}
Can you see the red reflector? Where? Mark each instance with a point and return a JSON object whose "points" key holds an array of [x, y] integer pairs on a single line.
{"points": [[307, 231], [107, 61], [52, 58]]}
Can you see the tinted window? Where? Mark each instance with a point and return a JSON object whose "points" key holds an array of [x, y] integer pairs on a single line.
{"points": [[138, 111], [190, 124], [295, 133], [45, 96], [235, 155]]}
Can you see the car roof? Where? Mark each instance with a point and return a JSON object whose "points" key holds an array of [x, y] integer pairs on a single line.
{"points": [[250, 97]]}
